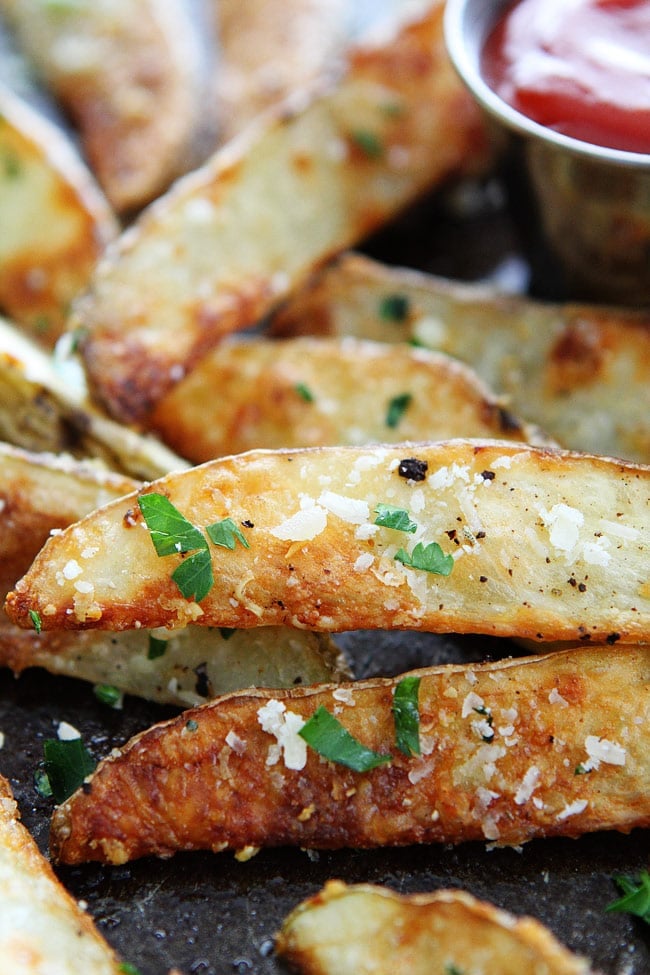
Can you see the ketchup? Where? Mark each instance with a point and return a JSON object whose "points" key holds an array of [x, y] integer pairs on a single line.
{"points": [[581, 67]]}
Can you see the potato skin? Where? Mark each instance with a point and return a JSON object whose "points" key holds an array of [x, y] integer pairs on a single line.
{"points": [[500, 742]]}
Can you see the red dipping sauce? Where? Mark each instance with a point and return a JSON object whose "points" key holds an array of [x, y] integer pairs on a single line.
{"points": [[580, 67]]}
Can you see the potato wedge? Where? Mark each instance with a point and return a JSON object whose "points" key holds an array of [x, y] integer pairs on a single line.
{"points": [[269, 49], [314, 392], [500, 744], [538, 543], [43, 931], [129, 72], [45, 408], [344, 930], [581, 372], [233, 238], [39, 494], [55, 220]]}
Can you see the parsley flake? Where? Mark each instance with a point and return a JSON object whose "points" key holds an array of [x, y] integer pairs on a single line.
{"points": [[397, 407], [42, 784], [126, 968], [157, 648], [67, 763], [327, 736], [406, 713], [170, 531], [226, 534], [194, 575], [304, 392], [636, 896], [369, 143], [36, 620], [429, 558], [397, 518], [394, 308], [108, 694]]}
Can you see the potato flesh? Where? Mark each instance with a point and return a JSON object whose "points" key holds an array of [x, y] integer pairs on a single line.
{"points": [[343, 930], [547, 545], [500, 746]]}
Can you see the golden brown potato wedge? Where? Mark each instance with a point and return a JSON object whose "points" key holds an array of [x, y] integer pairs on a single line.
{"points": [[40, 494], [43, 931], [500, 745], [315, 392], [44, 407], [129, 74], [233, 238], [269, 49], [55, 220], [581, 372], [496, 537], [344, 930]]}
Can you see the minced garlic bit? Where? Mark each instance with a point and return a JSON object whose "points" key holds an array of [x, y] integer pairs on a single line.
{"points": [[284, 726]]}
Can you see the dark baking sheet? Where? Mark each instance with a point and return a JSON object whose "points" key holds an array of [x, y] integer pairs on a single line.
{"points": [[209, 914]]}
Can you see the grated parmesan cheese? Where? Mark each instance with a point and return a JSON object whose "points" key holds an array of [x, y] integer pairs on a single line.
{"points": [[303, 526], [601, 750], [573, 809], [67, 732], [528, 785], [284, 726], [352, 510]]}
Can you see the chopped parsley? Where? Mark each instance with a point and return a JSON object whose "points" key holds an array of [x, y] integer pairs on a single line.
{"points": [[36, 620], [397, 407], [11, 165], [636, 896], [397, 518], [407, 715], [394, 308], [42, 783], [304, 392], [126, 968], [192, 725], [429, 558], [369, 143], [157, 648], [108, 694], [451, 969], [172, 534], [67, 763], [226, 534], [327, 736]]}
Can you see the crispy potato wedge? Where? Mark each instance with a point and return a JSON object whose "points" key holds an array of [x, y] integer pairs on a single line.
{"points": [[233, 238], [39, 494], [344, 930], [313, 392], [544, 544], [581, 372], [43, 931], [129, 73], [500, 744], [269, 49], [55, 220], [44, 407]]}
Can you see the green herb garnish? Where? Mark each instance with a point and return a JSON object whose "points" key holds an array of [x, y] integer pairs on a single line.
{"points": [[126, 968], [369, 143], [157, 648], [407, 715], [108, 694], [192, 725], [194, 575], [42, 783], [226, 534], [304, 392], [170, 531], [67, 763], [227, 632], [636, 896], [397, 518], [397, 407], [429, 558], [36, 620], [394, 308], [327, 736]]}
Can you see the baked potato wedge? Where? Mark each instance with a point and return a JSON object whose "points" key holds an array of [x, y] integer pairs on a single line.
{"points": [[344, 930], [44, 407], [55, 220], [43, 931], [269, 49], [460, 536], [581, 372], [130, 74], [308, 392], [499, 743], [43, 494], [233, 238]]}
